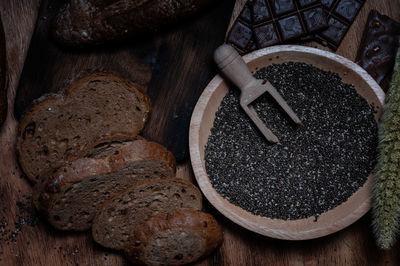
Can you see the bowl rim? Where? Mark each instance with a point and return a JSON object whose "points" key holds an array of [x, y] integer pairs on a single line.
{"points": [[237, 214]]}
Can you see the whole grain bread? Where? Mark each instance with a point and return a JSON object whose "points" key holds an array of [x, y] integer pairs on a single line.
{"points": [[57, 127], [3, 76], [178, 238], [83, 22], [70, 196], [121, 214]]}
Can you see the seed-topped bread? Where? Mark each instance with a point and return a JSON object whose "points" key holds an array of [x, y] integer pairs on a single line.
{"points": [[121, 214], [58, 126], [178, 238], [70, 196]]}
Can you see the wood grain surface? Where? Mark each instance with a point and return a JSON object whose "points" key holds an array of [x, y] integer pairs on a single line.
{"points": [[23, 244], [3, 76]]}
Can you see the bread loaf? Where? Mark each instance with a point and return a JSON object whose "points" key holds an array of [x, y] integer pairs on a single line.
{"points": [[3, 76], [121, 214], [70, 197], [178, 238], [57, 127], [83, 22]]}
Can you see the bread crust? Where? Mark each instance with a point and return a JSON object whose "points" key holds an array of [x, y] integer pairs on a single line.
{"points": [[88, 22], [97, 220], [56, 181], [62, 98], [204, 223]]}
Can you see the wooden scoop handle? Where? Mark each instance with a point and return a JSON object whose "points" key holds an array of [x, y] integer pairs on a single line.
{"points": [[233, 67]]}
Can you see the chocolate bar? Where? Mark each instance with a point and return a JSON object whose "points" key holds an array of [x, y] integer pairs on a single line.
{"points": [[262, 23], [341, 14], [278, 21], [241, 35], [377, 51]]}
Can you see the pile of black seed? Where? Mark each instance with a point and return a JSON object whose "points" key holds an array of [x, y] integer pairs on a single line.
{"points": [[315, 166], [26, 215]]}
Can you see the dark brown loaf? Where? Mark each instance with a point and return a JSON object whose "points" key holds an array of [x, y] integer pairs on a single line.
{"points": [[70, 197], [174, 239], [83, 22], [3, 76], [57, 127], [121, 214]]}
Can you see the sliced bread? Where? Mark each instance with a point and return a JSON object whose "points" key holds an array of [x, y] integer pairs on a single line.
{"points": [[121, 214], [70, 196], [178, 238], [57, 127]]}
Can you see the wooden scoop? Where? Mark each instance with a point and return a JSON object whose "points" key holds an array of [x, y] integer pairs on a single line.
{"points": [[233, 67]]}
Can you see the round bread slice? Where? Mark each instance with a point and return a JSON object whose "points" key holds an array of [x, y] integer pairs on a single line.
{"points": [[71, 195], [178, 238], [121, 214], [57, 127]]}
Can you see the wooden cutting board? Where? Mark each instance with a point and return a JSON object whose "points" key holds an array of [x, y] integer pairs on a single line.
{"points": [[157, 64]]}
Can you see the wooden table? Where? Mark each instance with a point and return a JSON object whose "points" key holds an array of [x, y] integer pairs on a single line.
{"points": [[42, 245]]}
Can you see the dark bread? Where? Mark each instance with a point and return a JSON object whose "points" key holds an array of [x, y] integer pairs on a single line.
{"points": [[70, 197], [57, 127], [83, 22], [121, 214], [3, 76], [178, 238]]}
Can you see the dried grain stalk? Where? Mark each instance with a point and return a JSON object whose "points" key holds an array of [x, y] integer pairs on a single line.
{"points": [[386, 190]]}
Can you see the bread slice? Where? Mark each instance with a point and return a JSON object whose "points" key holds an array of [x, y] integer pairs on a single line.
{"points": [[71, 195], [116, 219], [174, 239], [58, 126]]}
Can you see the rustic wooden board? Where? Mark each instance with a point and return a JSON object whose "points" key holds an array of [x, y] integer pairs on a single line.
{"points": [[184, 67], [41, 245]]}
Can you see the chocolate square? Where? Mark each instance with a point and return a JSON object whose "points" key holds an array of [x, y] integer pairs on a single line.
{"points": [[348, 9], [282, 6], [240, 35], [266, 35], [336, 30], [246, 14], [314, 18], [260, 11], [290, 27], [307, 2]]}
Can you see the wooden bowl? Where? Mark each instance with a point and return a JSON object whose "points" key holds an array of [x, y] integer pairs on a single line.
{"points": [[203, 118]]}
